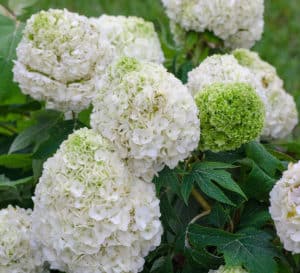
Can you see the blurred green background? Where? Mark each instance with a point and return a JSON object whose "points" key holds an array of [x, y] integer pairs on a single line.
{"points": [[279, 46]]}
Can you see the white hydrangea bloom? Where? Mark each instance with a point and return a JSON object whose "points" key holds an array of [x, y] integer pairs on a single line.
{"points": [[148, 114], [283, 115], [90, 215], [57, 59], [238, 23], [16, 255], [219, 69], [130, 37], [285, 208], [223, 269]]}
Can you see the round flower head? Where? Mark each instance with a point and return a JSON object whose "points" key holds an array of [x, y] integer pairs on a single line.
{"points": [[230, 115], [223, 269], [130, 37], [283, 116], [285, 208], [226, 69], [238, 23], [90, 215], [148, 114], [16, 255], [57, 59]]}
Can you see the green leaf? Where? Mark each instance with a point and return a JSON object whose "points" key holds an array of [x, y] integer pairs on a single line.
{"points": [[6, 183], [169, 217], [218, 216], [209, 165], [36, 132], [254, 215], [57, 134], [258, 153], [18, 6], [167, 178], [203, 257], [20, 108], [16, 161], [10, 35], [17, 192], [205, 173], [250, 248], [256, 183], [186, 187], [224, 179], [211, 190], [162, 265]]}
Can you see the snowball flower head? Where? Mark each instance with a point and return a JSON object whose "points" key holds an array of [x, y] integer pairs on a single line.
{"points": [[90, 215], [283, 115], [57, 59], [16, 255], [285, 208], [148, 114], [230, 115], [130, 37], [223, 269], [238, 23]]}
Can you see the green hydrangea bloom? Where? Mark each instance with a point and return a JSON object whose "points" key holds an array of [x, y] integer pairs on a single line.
{"points": [[230, 115]]}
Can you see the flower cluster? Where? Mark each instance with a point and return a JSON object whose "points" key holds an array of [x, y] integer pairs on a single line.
{"points": [[223, 269], [16, 255], [246, 67], [57, 59], [238, 23], [130, 37], [62, 55], [90, 214], [148, 114], [285, 208], [235, 116], [283, 115]]}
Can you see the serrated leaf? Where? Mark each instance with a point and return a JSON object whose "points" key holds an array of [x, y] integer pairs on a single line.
{"points": [[16, 161], [256, 183], [214, 171], [263, 158], [224, 179], [250, 248], [211, 190]]}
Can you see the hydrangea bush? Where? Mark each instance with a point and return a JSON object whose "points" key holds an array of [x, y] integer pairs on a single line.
{"points": [[123, 151]]}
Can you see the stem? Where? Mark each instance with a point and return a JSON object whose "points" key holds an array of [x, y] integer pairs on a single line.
{"points": [[200, 199], [207, 210]]}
